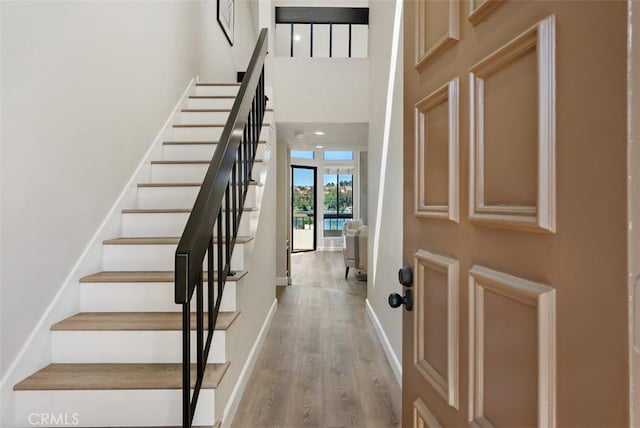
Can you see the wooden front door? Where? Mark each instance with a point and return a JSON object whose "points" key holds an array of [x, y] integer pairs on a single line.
{"points": [[514, 213]]}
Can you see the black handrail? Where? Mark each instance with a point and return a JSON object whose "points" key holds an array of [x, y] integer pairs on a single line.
{"points": [[219, 205]]}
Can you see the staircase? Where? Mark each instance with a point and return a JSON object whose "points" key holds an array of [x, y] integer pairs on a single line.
{"points": [[118, 362]]}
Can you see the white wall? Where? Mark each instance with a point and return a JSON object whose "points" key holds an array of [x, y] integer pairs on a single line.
{"points": [[382, 276], [321, 89], [283, 210], [219, 62], [85, 88]]}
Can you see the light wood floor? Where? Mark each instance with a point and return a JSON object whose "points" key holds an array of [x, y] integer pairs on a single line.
{"points": [[321, 364]]}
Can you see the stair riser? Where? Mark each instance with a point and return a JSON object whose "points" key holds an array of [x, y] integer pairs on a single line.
{"points": [[190, 152], [168, 224], [216, 118], [178, 197], [187, 173], [110, 408], [211, 103], [129, 347], [231, 90], [205, 133], [143, 297], [155, 257]]}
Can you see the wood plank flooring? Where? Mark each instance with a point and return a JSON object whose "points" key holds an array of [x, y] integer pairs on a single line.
{"points": [[321, 364]]}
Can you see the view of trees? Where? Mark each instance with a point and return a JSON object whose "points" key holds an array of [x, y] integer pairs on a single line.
{"points": [[303, 198], [338, 199]]}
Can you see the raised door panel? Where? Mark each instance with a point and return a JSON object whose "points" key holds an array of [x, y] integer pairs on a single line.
{"points": [[438, 27]]}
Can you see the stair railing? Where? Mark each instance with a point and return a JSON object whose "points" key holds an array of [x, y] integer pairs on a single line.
{"points": [[212, 227]]}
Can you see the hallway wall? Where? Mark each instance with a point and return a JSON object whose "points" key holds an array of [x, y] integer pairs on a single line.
{"points": [[383, 275]]}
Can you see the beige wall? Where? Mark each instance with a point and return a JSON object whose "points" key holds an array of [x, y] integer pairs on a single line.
{"points": [[383, 274]]}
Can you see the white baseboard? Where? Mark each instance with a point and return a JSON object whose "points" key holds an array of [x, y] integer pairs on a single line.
{"points": [[238, 390], [394, 362], [282, 280]]}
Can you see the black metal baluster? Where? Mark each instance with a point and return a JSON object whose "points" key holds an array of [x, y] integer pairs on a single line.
{"points": [[245, 149], [210, 277], [219, 244], [292, 37], [330, 40], [349, 40], [234, 200], [227, 226], [186, 365]]}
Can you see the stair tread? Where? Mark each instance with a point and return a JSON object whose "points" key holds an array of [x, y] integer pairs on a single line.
{"points": [[212, 110], [169, 210], [251, 183], [162, 240], [206, 125], [212, 96], [145, 276], [188, 162], [217, 84], [175, 143], [116, 376], [136, 321]]}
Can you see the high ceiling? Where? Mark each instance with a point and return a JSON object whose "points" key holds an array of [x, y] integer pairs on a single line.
{"points": [[336, 135]]}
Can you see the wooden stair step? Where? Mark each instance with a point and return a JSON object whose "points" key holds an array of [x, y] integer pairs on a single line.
{"points": [[147, 276], [59, 377], [177, 143], [212, 110], [189, 162], [163, 241], [136, 321], [218, 84], [251, 183], [199, 97], [172, 210], [206, 125]]}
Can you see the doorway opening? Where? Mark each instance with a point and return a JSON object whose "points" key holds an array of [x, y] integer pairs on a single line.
{"points": [[303, 208]]}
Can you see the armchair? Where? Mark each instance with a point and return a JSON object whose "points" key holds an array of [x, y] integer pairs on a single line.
{"points": [[354, 250]]}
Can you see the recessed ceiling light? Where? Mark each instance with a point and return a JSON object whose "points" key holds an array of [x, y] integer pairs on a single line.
{"points": [[297, 37], [319, 147], [319, 132], [298, 134]]}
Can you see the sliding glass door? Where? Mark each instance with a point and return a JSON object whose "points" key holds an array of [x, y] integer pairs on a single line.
{"points": [[303, 208]]}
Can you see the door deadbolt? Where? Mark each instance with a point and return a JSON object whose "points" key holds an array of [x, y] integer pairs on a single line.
{"points": [[405, 276]]}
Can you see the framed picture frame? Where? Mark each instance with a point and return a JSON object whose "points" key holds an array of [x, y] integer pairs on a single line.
{"points": [[226, 18]]}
